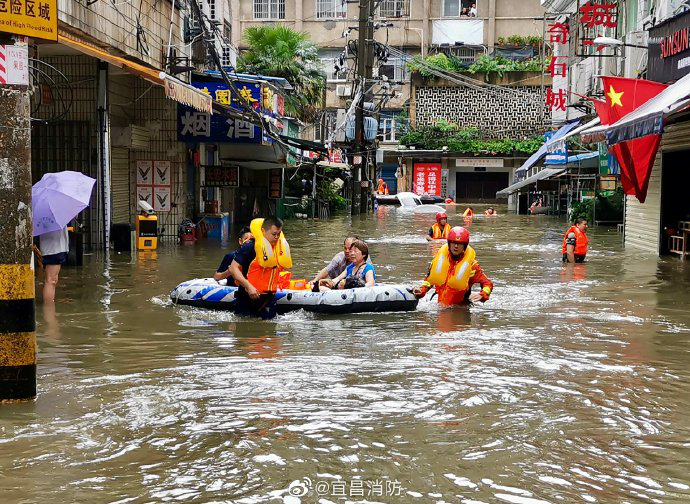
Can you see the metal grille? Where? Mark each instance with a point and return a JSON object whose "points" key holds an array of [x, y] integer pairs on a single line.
{"points": [[160, 116], [395, 69], [212, 9], [394, 8], [331, 9], [269, 9]]}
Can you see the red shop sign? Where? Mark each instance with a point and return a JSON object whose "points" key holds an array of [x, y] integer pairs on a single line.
{"points": [[427, 178]]}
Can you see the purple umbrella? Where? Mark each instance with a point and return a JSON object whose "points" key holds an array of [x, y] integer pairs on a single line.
{"points": [[57, 198]]}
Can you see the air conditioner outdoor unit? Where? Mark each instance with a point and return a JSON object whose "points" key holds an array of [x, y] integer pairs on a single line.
{"points": [[343, 90]]}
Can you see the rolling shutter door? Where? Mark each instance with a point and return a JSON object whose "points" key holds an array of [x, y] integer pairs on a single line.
{"points": [[643, 220], [119, 185]]}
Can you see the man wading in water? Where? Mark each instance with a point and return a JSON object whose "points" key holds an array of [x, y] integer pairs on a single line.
{"points": [[454, 271]]}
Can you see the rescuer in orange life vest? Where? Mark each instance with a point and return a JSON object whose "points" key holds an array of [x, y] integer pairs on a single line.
{"points": [[454, 271], [440, 230], [575, 242], [257, 268], [383, 187]]}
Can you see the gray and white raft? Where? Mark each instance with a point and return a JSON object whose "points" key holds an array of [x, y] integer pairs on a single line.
{"points": [[208, 293]]}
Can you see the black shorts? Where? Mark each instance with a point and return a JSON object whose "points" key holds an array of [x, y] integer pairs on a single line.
{"points": [[55, 259], [578, 258], [264, 307]]}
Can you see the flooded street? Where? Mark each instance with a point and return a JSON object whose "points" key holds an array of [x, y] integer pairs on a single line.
{"points": [[572, 384]]}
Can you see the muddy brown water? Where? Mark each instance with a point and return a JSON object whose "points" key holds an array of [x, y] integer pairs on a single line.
{"points": [[571, 385]]}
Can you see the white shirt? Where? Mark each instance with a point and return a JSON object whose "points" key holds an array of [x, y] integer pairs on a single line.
{"points": [[473, 12], [55, 242]]}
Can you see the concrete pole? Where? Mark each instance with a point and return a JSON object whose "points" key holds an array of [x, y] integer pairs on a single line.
{"points": [[17, 298], [359, 144]]}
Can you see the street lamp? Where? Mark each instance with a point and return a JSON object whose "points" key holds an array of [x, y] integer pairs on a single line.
{"points": [[612, 42]]}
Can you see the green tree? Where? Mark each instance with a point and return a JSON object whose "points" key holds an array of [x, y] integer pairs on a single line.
{"points": [[280, 51]]}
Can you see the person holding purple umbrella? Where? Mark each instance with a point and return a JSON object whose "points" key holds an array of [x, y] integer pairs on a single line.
{"points": [[54, 249], [56, 199]]}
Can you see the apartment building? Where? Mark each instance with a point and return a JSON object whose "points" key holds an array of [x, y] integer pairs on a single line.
{"points": [[467, 28]]}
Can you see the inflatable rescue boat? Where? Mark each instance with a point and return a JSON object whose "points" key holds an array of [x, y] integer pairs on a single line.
{"points": [[208, 293]]}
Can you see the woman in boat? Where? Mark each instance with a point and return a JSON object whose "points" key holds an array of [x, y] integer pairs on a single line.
{"points": [[358, 273]]}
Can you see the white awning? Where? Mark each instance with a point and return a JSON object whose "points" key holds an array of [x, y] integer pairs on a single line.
{"points": [[647, 119], [542, 175]]}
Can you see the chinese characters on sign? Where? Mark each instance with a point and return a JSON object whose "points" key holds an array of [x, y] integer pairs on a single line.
{"points": [[596, 18], [14, 64], [559, 36], [193, 126], [33, 18], [427, 178], [275, 183], [221, 176]]}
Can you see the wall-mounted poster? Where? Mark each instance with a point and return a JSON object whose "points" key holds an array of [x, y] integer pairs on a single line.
{"points": [[161, 173], [144, 172], [145, 193], [427, 179], [161, 199]]}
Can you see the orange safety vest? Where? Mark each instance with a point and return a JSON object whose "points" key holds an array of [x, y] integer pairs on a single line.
{"points": [[581, 241], [438, 234], [468, 213], [383, 188]]}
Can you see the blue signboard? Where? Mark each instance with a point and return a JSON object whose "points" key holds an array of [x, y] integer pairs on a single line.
{"points": [[194, 126], [558, 154]]}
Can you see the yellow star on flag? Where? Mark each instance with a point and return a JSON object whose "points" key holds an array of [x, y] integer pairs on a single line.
{"points": [[615, 97]]}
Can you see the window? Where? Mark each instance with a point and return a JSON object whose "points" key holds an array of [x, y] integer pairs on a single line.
{"points": [[269, 9], [391, 126], [455, 8], [323, 129], [331, 9], [395, 69], [394, 8], [329, 59], [212, 13]]}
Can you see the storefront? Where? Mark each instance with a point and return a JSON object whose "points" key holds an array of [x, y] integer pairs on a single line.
{"points": [[650, 226]]}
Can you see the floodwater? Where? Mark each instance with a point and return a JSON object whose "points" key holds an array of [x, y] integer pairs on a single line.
{"points": [[571, 385]]}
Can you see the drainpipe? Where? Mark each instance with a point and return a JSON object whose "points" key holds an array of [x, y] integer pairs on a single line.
{"points": [[104, 150]]}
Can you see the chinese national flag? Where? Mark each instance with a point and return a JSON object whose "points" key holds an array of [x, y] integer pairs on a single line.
{"points": [[636, 157]]}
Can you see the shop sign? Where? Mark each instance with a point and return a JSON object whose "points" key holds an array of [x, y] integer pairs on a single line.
{"points": [[221, 176], [480, 162], [33, 18], [275, 183], [669, 49], [558, 153], [200, 127], [427, 179]]}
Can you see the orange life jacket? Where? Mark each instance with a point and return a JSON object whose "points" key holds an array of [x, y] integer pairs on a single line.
{"points": [[383, 188], [438, 234], [263, 279], [468, 213], [581, 241]]}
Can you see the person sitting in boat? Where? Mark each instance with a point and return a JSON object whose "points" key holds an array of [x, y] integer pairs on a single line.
{"points": [[382, 188], [338, 263], [257, 266], [358, 273], [223, 270], [454, 271], [491, 212], [440, 230]]}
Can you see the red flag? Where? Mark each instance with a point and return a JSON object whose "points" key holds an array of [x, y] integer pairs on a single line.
{"points": [[636, 157]]}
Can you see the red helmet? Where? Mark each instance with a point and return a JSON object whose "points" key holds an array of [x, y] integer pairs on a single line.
{"points": [[441, 215], [459, 235]]}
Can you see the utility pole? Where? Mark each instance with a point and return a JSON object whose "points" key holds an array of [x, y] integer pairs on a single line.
{"points": [[365, 63], [17, 298]]}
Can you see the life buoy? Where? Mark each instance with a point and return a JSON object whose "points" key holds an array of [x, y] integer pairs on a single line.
{"points": [[438, 234], [268, 256], [458, 279], [581, 241]]}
